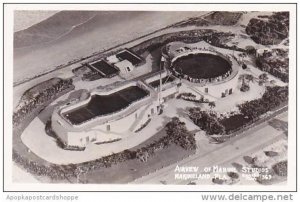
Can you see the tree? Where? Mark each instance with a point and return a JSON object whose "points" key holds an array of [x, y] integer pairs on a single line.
{"points": [[263, 78], [250, 50], [178, 134], [212, 105], [246, 79], [242, 78], [249, 77], [244, 66], [245, 87]]}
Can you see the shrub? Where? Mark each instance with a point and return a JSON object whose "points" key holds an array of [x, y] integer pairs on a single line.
{"points": [[44, 93], [272, 98], [271, 153], [233, 175], [206, 121], [280, 168], [179, 134], [270, 31], [245, 87]]}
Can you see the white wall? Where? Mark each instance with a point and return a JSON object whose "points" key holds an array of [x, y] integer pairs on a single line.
{"points": [[60, 131], [217, 89]]}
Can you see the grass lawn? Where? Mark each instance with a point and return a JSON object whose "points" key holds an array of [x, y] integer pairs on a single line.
{"points": [[128, 171]]}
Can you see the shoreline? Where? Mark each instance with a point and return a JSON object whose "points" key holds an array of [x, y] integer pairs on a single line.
{"points": [[95, 54]]}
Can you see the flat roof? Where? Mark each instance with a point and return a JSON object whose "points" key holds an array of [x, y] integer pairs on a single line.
{"points": [[104, 68], [130, 56]]}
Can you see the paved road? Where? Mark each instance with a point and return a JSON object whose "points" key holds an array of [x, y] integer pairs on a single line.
{"points": [[250, 141]]}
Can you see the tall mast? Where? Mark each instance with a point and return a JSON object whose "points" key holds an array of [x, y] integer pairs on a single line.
{"points": [[160, 81]]}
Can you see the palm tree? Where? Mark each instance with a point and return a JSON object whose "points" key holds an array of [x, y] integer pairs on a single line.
{"points": [[246, 77], [242, 78], [263, 77], [249, 78]]}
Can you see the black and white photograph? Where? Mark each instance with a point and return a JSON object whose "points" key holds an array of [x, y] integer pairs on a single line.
{"points": [[150, 96]]}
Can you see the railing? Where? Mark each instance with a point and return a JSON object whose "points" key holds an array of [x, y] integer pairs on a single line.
{"points": [[197, 50]]}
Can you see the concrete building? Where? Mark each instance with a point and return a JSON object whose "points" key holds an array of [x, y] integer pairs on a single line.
{"points": [[217, 87], [124, 66], [126, 60], [110, 113], [113, 126]]}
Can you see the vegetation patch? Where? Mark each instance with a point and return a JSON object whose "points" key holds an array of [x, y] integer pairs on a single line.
{"points": [[281, 168], [39, 95], [192, 98], [206, 121], [215, 18], [272, 98], [270, 30], [249, 112], [275, 62], [213, 37], [234, 122]]}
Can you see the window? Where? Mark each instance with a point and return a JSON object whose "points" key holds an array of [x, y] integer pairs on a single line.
{"points": [[206, 90], [108, 127], [230, 91], [128, 69]]}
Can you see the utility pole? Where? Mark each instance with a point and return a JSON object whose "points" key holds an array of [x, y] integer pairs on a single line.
{"points": [[160, 82]]}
